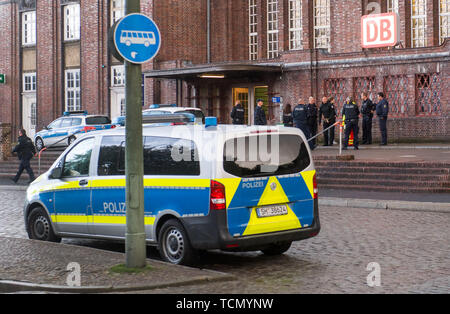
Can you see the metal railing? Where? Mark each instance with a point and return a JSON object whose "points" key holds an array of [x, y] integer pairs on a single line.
{"points": [[47, 147], [340, 123]]}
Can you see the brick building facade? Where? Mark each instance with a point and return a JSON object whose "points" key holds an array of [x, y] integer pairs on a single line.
{"points": [[216, 51]]}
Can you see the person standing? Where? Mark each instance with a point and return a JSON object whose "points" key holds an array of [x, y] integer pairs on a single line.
{"points": [[328, 112], [382, 110], [25, 151], [367, 110], [287, 116], [351, 113], [260, 115], [300, 118], [238, 114], [312, 120]]}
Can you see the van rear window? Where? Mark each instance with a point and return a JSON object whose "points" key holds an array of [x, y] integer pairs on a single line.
{"points": [[265, 155], [97, 120]]}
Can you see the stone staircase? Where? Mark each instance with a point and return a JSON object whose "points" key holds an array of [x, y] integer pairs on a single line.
{"points": [[411, 177], [9, 168]]}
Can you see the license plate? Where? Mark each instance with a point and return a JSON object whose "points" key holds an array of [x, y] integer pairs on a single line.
{"points": [[270, 211]]}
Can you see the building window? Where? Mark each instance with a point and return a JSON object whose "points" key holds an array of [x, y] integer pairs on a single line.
{"points": [[428, 94], [392, 6], [395, 88], [118, 75], [73, 90], [322, 24], [72, 22], [272, 29], [117, 10], [418, 23], [253, 31], [336, 88], [295, 25], [444, 20], [29, 82], [364, 85], [29, 28]]}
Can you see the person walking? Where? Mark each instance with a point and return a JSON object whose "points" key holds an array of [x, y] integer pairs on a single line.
{"points": [[350, 112], [328, 112], [312, 120], [382, 110], [25, 151], [287, 116], [367, 110], [300, 118], [238, 114], [260, 115]]}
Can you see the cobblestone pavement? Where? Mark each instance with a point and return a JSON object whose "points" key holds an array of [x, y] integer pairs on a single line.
{"points": [[411, 248]]}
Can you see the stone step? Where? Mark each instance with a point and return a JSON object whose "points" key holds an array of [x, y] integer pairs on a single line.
{"points": [[387, 170], [377, 164], [400, 189], [383, 176], [389, 184]]}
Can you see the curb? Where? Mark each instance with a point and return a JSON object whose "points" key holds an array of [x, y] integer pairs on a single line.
{"points": [[13, 187], [386, 204], [9, 286]]}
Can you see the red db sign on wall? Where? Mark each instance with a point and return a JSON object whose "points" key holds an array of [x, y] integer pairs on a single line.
{"points": [[380, 30]]}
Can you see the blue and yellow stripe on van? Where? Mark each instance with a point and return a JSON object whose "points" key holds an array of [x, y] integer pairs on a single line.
{"points": [[244, 196]]}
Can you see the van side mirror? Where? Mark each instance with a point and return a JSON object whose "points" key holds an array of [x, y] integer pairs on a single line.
{"points": [[56, 173]]}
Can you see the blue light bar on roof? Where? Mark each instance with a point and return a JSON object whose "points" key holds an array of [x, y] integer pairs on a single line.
{"points": [[210, 122]]}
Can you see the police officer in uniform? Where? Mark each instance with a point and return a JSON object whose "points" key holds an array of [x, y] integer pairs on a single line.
{"points": [[260, 115], [351, 113], [382, 113], [300, 118], [312, 120], [25, 151], [238, 114], [367, 110], [328, 112]]}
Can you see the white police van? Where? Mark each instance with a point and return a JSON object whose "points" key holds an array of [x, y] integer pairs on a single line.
{"points": [[233, 188]]}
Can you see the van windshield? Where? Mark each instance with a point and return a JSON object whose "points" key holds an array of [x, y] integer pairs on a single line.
{"points": [[265, 155]]}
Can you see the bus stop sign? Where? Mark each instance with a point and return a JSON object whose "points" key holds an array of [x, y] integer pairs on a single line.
{"points": [[137, 38]]}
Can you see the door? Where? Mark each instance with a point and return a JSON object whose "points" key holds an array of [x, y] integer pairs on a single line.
{"points": [[242, 95], [117, 103], [73, 189], [29, 115]]}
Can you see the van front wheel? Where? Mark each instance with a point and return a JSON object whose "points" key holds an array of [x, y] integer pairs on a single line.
{"points": [[173, 244], [39, 226], [277, 248]]}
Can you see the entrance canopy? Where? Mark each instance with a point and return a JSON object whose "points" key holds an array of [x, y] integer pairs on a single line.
{"points": [[215, 71]]}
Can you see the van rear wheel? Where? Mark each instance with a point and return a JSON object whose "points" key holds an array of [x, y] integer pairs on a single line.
{"points": [[174, 245], [277, 248]]}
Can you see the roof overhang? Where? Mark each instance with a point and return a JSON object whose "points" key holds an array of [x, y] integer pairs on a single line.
{"points": [[215, 71]]}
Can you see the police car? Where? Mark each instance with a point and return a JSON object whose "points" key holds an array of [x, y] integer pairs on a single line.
{"points": [[65, 130], [172, 108], [234, 188]]}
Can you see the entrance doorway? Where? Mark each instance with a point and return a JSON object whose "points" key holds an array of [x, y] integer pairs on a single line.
{"points": [[248, 95], [29, 114]]}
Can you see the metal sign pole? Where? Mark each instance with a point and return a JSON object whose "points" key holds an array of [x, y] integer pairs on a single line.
{"points": [[135, 246]]}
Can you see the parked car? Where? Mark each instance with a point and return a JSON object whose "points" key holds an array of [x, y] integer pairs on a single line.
{"points": [[197, 112], [65, 130]]}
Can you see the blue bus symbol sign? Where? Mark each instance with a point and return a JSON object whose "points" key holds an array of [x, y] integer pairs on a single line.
{"points": [[137, 38]]}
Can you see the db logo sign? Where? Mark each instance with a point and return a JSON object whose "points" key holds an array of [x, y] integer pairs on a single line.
{"points": [[380, 30]]}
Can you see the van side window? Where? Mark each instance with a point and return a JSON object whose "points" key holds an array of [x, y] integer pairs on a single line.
{"points": [[111, 160], [170, 156], [77, 161]]}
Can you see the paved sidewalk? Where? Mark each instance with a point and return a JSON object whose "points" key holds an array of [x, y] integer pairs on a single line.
{"points": [[27, 265]]}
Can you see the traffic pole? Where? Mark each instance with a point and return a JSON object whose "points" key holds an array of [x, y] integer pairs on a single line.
{"points": [[135, 246]]}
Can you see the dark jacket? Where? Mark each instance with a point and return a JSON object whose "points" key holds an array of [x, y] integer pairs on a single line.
{"points": [[312, 114], [260, 116], [288, 120], [238, 114], [350, 111], [383, 109], [300, 115], [328, 112], [25, 149], [367, 107]]}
